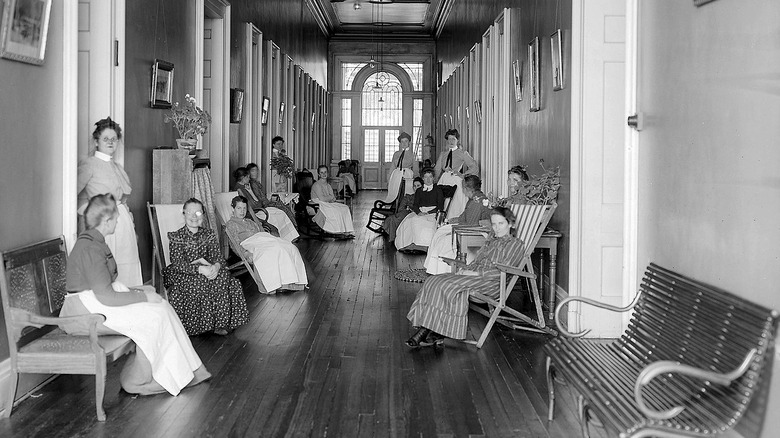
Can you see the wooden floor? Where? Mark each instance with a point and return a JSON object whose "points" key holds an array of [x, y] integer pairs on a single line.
{"points": [[328, 361]]}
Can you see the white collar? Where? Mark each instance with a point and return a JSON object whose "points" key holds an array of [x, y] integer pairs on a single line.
{"points": [[452, 149], [102, 156], [427, 188]]}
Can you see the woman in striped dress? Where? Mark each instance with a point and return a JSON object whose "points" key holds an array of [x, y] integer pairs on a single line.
{"points": [[441, 307]]}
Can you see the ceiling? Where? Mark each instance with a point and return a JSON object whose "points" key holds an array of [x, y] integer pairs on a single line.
{"points": [[395, 18]]}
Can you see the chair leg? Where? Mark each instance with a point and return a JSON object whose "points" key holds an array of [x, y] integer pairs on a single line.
{"points": [[550, 389], [584, 414], [488, 326], [13, 379], [100, 388]]}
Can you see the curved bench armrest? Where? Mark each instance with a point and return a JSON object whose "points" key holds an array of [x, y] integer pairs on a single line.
{"points": [[592, 302], [667, 366], [381, 205], [93, 319]]}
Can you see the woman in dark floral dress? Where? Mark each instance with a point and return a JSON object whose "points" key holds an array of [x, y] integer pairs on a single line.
{"points": [[201, 290]]}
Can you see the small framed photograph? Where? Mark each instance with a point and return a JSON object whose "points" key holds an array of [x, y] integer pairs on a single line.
{"points": [[24, 25], [281, 112], [558, 82], [533, 75], [264, 113], [517, 68], [236, 104], [478, 111], [312, 121], [162, 84]]}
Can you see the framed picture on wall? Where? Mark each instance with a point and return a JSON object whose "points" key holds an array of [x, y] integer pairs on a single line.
{"points": [[533, 75], [517, 68], [281, 112], [236, 105], [162, 84], [264, 113], [557, 61], [478, 111], [24, 26]]}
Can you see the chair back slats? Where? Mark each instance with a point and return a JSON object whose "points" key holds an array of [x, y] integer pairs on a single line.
{"points": [[222, 204], [167, 218], [531, 222]]}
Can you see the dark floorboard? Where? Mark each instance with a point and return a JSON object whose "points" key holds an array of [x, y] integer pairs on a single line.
{"points": [[328, 361]]}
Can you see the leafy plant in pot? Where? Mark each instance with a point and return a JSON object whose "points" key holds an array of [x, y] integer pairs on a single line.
{"points": [[542, 189], [190, 121]]}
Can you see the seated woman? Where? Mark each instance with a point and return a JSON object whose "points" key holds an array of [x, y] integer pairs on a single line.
{"points": [[201, 290], [416, 230], [390, 224], [332, 216], [476, 212], [277, 261], [441, 307], [259, 191], [164, 360], [515, 177], [280, 224]]}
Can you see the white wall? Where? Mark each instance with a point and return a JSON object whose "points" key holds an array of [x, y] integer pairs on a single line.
{"points": [[709, 184]]}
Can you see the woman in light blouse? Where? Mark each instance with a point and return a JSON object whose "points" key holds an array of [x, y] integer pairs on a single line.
{"points": [[99, 174]]}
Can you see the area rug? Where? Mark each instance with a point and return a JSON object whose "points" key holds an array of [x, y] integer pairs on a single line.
{"points": [[413, 275]]}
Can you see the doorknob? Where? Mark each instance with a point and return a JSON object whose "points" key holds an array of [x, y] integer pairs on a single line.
{"points": [[635, 121]]}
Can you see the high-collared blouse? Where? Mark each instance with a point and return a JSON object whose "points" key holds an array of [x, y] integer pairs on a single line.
{"points": [[461, 162], [100, 174]]}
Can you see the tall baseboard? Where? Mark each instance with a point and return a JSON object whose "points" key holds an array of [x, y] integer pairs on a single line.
{"points": [[34, 384]]}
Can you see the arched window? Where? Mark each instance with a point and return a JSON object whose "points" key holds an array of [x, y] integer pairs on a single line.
{"points": [[382, 100]]}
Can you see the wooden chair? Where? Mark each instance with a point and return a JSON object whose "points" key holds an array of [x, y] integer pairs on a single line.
{"points": [[162, 219], [529, 226], [304, 180], [224, 210], [32, 285]]}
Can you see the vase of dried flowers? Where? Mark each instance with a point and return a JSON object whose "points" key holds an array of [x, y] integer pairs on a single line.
{"points": [[190, 121]]}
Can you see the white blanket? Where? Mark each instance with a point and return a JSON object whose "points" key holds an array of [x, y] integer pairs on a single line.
{"points": [[124, 247], [281, 221], [334, 217], [277, 261], [441, 246], [156, 330], [394, 183], [415, 229]]}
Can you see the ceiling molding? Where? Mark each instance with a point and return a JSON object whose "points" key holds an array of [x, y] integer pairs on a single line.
{"points": [[321, 16], [441, 17]]}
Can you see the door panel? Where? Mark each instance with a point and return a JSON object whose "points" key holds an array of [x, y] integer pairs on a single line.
{"points": [[379, 144]]}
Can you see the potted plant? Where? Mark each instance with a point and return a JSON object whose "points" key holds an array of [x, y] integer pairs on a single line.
{"points": [[190, 121], [542, 189], [283, 166]]}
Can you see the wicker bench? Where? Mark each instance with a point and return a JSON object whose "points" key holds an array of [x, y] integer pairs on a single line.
{"points": [[689, 363], [32, 285]]}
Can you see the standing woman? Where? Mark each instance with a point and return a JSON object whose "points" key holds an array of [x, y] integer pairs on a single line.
{"points": [[100, 174], [451, 166]]}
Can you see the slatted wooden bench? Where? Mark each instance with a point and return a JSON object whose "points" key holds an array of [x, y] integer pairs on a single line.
{"points": [[689, 363], [32, 285]]}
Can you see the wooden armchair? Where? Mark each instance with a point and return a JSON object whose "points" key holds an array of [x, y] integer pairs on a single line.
{"points": [[32, 285]]}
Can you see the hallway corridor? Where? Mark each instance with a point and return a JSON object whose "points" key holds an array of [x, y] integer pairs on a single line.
{"points": [[328, 361]]}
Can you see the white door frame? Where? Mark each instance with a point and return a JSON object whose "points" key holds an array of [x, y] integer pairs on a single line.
{"points": [[220, 121], [631, 166], [70, 49]]}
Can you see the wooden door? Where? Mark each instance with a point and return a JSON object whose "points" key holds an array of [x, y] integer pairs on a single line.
{"points": [[379, 143]]}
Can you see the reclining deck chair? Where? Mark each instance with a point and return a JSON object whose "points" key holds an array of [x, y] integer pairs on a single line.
{"points": [[224, 210], [162, 219], [530, 224]]}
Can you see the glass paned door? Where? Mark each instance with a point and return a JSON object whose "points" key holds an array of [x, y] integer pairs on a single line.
{"points": [[379, 143]]}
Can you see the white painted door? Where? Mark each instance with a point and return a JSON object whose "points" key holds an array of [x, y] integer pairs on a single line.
{"points": [[598, 145], [101, 88]]}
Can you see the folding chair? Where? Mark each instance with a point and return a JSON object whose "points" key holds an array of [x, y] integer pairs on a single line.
{"points": [[530, 224], [163, 218]]}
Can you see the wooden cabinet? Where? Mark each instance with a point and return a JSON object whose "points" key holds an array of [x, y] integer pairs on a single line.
{"points": [[171, 176]]}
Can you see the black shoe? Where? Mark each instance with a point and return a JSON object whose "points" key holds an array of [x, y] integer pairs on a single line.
{"points": [[417, 338]]}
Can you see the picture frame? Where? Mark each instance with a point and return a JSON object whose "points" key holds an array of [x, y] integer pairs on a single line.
{"points": [[24, 28], [478, 111], [281, 112], [517, 68], [162, 84], [236, 104], [556, 53], [313, 118], [534, 98], [264, 112]]}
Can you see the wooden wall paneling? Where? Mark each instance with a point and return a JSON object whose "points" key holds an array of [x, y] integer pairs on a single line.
{"points": [[474, 95], [255, 99]]}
